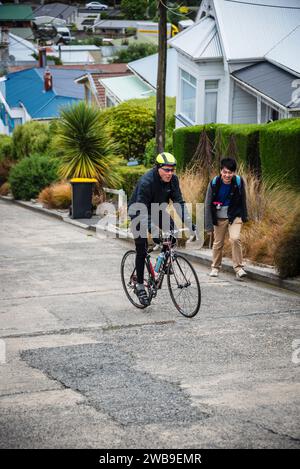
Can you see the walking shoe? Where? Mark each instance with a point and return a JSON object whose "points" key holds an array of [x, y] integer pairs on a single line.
{"points": [[142, 294], [214, 272], [240, 275]]}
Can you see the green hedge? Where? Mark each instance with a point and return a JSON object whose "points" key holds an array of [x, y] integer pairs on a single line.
{"points": [[185, 142], [280, 150], [130, 176], [272, 150], [30, 175], [243, 141]]}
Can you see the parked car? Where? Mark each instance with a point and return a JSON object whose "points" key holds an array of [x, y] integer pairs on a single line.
{"points": [[63, 34], [96, 6]]}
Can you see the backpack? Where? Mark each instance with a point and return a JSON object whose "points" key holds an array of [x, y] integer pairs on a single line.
{"points": [[237, 178]]}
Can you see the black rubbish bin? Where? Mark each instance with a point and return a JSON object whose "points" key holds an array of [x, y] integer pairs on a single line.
{"points": [[82, 191]]}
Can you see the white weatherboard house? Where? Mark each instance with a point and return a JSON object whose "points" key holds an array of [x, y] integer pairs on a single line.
{"points": [[239, 63]]}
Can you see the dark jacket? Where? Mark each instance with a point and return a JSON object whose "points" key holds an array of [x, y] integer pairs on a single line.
{"points": [[237, 205], [150, 189]]}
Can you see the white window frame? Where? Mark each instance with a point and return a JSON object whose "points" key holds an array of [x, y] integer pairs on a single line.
{"points": [[207, 91], [191, 81]]}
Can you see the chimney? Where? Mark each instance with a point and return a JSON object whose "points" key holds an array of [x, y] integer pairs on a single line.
{"points": [[42, 57], [48, 81]]}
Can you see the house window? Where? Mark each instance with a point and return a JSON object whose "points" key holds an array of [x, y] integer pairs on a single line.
{"points": [[2, 113], [211, 101], [17, 121], [88, 95], [188, 96]]}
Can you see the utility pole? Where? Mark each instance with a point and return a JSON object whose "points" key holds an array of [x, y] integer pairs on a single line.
{"points": [[161, 77]]}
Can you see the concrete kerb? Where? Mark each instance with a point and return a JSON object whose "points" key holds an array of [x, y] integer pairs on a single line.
{"points": [[261, 273]]}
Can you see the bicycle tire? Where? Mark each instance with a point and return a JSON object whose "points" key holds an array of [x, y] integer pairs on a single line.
{"points": [[126, 287], [172, 274]]}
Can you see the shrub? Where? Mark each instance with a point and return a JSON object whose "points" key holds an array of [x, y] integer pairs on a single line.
{"points": [[5, 157], [130, 31], [29, 176], [131, 126], [150, 146], [5, 147], [134, 52], [130, 176], [32, 137], [5, 189], [133, 9], [57, 195], [280, 150], [287, 254], [151, 153], [150, 103], [5, 167]]}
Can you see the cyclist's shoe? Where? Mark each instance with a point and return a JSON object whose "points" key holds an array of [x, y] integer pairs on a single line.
{"points": [[142, 294]]}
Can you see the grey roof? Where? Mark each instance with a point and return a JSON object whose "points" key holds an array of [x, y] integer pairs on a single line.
{"points": [[21, 49], [271, 81], [56, 10], [146, 68], [249, 29], [286, 52], [199, 41]]}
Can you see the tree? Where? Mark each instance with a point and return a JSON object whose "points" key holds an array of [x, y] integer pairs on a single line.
{"points": [[134, 9], [131, 125], [87, 151], [134, 52]]}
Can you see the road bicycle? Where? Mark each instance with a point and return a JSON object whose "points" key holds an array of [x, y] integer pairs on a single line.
{"points": [[182, 279]]}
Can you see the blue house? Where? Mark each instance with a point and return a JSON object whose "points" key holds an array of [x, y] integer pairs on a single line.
{"points": [[28, 95]]}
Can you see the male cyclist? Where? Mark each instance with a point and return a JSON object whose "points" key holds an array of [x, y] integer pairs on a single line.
{"points": [[159, 185]]}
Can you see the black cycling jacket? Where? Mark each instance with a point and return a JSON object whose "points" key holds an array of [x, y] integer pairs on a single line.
{"points": [[150, 189]]}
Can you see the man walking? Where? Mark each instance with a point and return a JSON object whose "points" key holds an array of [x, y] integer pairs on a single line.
{"points": [[226, 210]]}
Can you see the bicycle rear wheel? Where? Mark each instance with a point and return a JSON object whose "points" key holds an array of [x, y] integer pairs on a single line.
{"points": [[129, 279], [184, 286]]}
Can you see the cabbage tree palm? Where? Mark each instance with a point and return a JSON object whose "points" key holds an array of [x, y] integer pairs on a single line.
{"points": [[85, 147]]}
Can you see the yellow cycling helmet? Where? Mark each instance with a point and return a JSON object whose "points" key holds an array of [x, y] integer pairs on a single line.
{"points": [[165, 159]]}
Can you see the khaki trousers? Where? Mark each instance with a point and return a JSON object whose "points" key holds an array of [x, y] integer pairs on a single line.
{"points": [[234, 237]]}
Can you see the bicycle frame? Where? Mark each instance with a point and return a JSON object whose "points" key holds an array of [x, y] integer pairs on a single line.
{"points": [[157, 280]]}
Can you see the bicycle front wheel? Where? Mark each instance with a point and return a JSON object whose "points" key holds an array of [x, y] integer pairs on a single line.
{"points": [[184, 286], [129, 279]]}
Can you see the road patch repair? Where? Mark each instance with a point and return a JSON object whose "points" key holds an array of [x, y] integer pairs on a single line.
{"points": [[106, 376]]}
